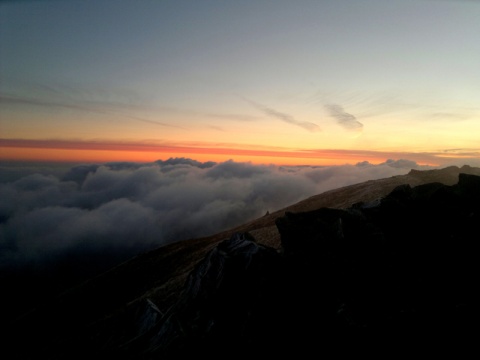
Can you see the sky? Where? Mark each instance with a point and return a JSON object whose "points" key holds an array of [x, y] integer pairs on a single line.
{"points": [[267, 82]]}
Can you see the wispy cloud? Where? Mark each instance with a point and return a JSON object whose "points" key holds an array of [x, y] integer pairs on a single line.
{"points": [[91, 107], [449, 116], [218, 128], [20, 100], [344, 119], [284, 117], [461, 154], [152, 121], [235, 117]]}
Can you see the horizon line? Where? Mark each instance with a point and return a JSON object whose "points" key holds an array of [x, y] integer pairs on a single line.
{"points": [[74, 151]]}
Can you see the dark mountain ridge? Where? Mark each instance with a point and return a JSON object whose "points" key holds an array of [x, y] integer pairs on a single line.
{"points": [[391, 259]]}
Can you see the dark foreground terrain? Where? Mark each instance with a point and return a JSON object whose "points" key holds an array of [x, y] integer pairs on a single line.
{"points": [[388, 265]]}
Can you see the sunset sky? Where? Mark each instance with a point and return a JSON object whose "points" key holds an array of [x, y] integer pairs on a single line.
{"points": [[269, 82]]}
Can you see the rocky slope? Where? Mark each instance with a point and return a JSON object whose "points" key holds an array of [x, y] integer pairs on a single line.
{"points": [[389, 257]]}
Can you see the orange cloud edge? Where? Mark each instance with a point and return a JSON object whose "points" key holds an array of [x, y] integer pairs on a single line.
{"points": [[105, 151]]}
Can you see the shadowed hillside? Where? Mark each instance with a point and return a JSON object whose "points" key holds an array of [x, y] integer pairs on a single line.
{"points": [[390, 256]]}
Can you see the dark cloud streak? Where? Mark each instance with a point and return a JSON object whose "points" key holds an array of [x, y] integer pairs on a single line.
{"points": [[284, 117], [96, 108], [346, 120]]}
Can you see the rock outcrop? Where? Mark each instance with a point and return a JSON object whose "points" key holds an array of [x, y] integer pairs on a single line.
{"points": [[226, 304], [398, 272], [395, 272]]}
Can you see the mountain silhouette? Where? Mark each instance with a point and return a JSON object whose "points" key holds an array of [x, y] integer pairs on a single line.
{"points": [[389, 263]]}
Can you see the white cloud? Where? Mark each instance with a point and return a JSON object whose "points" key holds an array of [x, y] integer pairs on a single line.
{"points": [[135, 207]]}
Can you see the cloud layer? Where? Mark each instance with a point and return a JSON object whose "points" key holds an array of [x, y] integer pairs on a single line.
{"points": [[131, 207]]}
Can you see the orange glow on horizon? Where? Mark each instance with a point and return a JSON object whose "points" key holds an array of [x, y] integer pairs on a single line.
{"points": [[203, 155], [92, 151]]}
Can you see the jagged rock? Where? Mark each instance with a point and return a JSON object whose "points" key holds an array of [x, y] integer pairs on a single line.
{"points": [[387, 272], [226, 301]]}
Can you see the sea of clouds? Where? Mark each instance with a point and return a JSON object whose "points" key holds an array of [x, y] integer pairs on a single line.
{"points": [[128, 208]]}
